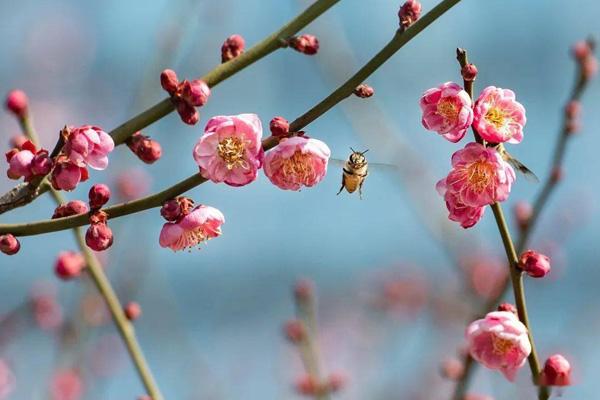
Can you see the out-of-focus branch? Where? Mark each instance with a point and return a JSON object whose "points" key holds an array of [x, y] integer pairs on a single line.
{"points": [[25, 193], [156, 200]]}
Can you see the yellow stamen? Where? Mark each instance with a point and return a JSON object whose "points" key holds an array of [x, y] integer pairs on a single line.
{"points": [[496, 117], [479, 175], [231, 150], [501, 346], [299, 165], [447, 109]]}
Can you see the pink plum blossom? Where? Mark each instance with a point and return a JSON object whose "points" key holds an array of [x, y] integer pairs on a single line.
{"points": [[19, 164], [498, 116], [297, 161], [467, 216], [200, 225], [447, 110], [479, 177], [89, 145], [66, 175], [230, 150], [500, 342]]}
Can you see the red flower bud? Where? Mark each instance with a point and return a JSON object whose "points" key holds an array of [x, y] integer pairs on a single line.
{"points": [[557, 371], [69, 265], [295, 331], [409, 13], [188, 113], [168, 81], [9, 244], [582, 50], [507, 307], [232, 47], [534, 264], [171, 210], [17, 103], [305, 44], [307, 385], [469, 72], [99, 195], [41, 163], [573, 109], [364, 91], [195, 93], [279, 127], [132, 311], [74, 207], [99, 236]]}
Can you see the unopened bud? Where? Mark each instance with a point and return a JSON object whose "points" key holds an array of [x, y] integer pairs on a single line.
{"points": [[507, 307], [69, 264], [17, 103], [169, 81], [188, 113], [41, 164], [73, 207], [305, 44], [469, 72], [409, 13], [99, 195], [9, 244], [171, 210], [195, 92], [364, 91], [534, 264], [557, 371], [132, 311], [295, 331], [99, 236], [573, 109], [232, 47], [279, 127]]}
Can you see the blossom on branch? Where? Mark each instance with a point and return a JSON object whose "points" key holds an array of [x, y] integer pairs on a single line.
{"points": [[498, 116], [192, 228], [447, 110]]}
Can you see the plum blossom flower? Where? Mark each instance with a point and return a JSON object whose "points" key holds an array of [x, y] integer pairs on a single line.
{"points": [[66, 175], [498, 116], [88, 145], [26, 161], [479, 176], [447, 110], [297, 161], [467, 216], [500, 342], [230, 150], [199, 225]]}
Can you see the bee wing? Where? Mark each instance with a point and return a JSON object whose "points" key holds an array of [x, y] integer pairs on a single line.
{"points": [[526, 172], [337, 162], [383, 166]]}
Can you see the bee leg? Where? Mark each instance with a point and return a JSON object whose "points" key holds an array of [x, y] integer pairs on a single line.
{"points": [[360, 190], [340, 191]]}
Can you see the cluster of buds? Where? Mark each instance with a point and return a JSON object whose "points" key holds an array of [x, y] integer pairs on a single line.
{"points": [[99, 236], [308, 385], [146, 149], [583, 52], [534, 264], [69, 264], [185, 95], [26, 161], [364, 91], [73, 207], [305, 44], [9, 244], [175, 209], [232, 47], [409, 14]]}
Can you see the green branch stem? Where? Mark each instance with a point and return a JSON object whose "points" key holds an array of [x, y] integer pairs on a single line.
{"points": [[25, 193], [157, 199], [95, 270]]}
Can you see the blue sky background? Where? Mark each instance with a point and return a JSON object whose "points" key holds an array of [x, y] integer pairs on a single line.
{"points": [[212, 318]]}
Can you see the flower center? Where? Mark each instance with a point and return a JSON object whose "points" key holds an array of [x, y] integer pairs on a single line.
{"points": [[447, 109], [495, 116], [501, 346], [298, 166], [191, 238], [231, 150], [479, 175]]}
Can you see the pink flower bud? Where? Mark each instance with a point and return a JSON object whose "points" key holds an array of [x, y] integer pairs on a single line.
{"points": [[409, 13], [99, 236], [307, 385], [232, 47], [67, 384], [73, 207], [171, 210], [304, 290], [336, 381], [364, 91], [305, 44], [132, 311], [589, 67], [452, 369], [17, 103], [41, 163], [279, 126], [557, 371], [69, 265], [66, 175], [534, 264], [295, 331], [195, 93], [523, 211], [573, 109], [99, 195], [507, 307], [473, 396], [469, 72], [188, 113], [9, 244], [19, 164], [146, 149], [168, 81], [582, 50]]}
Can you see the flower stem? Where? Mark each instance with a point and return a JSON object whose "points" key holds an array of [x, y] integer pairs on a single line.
{"points": [[103, 285], [156, 200]]}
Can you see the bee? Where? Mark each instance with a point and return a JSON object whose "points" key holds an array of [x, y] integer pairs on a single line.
{"points": [[354, 172], [516, 164]]}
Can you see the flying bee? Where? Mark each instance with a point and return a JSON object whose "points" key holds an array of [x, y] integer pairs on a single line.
{"points": [[354, 172], [516, 164]]}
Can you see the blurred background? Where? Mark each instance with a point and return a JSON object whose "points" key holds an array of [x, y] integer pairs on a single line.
{"points": [[396, 282]]}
